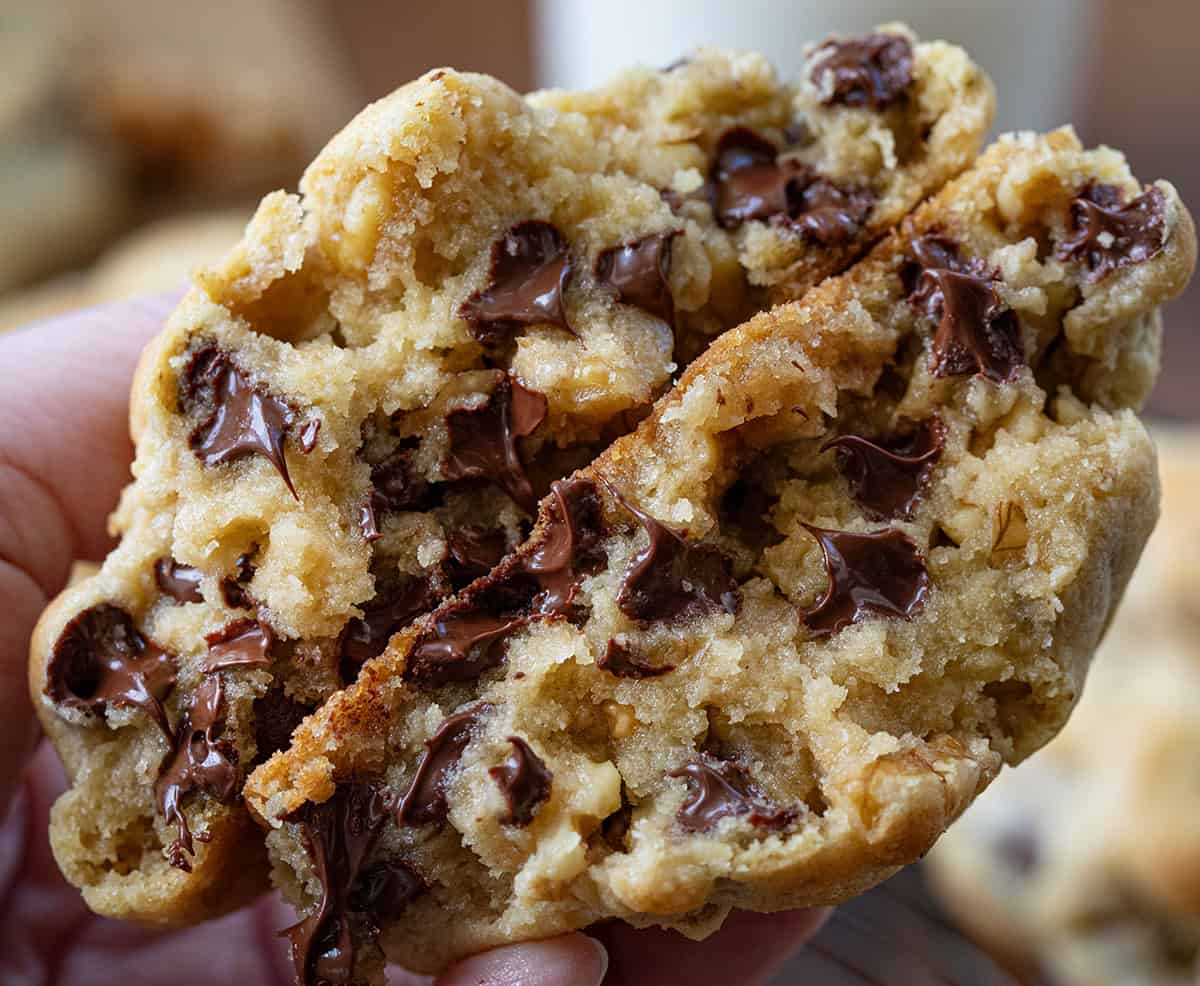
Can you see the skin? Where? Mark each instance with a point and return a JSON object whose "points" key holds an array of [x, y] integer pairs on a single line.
{"points": [[64, 457]]}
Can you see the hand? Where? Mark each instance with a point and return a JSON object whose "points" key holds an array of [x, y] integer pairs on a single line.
{"points": [[64, 457]]}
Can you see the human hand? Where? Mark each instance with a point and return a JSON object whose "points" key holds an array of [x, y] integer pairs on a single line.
{"points": [[64, 457]]}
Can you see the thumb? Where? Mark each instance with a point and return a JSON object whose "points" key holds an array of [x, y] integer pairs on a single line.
{"points": [[569, 960]]}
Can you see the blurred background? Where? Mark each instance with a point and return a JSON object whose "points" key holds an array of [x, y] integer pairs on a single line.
{"points": [[137, 135]]}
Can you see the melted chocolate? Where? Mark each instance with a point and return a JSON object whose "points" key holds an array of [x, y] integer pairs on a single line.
{"points": [[751, 181], [180, 582], [622, 660], [874, 71], [356, 898], [395, 483], [570, 546], [638, 272], [233, 589], [526, 281], [243, 419], [425, 801], [461, 645], [888, 477], [473, 552], [1106, 234], [721, 789], [975, 332], [483, 440], [670, 578], [396, 604], [199, 761], [240, 644], [101, 659], [882, 572], [524, 781]]}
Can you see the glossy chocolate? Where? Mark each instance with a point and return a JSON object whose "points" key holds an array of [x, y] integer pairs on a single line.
{"points": [[722, 789], [527, 278], [881, 573], [180, 582], [483, 440], [569, 549], [100, 659], [1107, 233], [622, 660], [199, 761], [524, 781], [472, 552], [233, 588], [874, 71], [240, 644], [425, 801], [242, 419], [638, 272], [829, 215], [460, 646], [888, 477], [396, 604]]}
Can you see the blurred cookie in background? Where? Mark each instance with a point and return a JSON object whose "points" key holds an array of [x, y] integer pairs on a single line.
{"points": [[1082, 866]]}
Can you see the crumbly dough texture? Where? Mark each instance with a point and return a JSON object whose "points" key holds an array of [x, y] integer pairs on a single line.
{"points": [[329, 353], [1086, 861], [850, 744]]}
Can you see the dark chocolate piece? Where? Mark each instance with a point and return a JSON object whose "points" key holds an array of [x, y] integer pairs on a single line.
{"points": [[888, 477], [524, 781], [670, 578], [233, 589], [276, 716], [240, 644], [243, 418], [570, 546], [180, 582], [425, 801], [396, 604], [721, 789], [1106, 234], [100, 658], [638, 271], [461, 645], [199, 761], [975, 332], [356, 896], [483, 440], [830, 215], [622, 660], [472, 553], [526, 281], [874, 71], [882, 572], [395, 482]]}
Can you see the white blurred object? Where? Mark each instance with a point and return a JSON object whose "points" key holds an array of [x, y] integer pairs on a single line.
{"points": [[1034, 49]]}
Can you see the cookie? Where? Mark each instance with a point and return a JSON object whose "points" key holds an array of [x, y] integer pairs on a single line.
{"points": [[1086, 861], [765, 649], [355, 413]]}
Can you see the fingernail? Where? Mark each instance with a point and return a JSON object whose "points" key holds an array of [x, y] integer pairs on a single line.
{"points": [[569, 960]]}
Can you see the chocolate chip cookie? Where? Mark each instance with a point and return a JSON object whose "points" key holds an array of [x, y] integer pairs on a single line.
{"points": [[765, 649], [354, 415], [1085, 862]]}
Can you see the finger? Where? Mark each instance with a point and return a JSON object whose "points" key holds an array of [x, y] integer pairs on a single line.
{"points": [[745, 952], [64, 456], [569, 960]]}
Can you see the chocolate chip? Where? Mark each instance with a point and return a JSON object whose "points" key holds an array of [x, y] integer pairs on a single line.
{"points": [[460, 646], [746, 507], [670, 578], [975, 332], [395, 482], [425, 801], [397, 603], [888, 477], [356, 896], [240, 644], [874, 71], [199, 761], [723, 789], [233, 589], [526, 280], [524, 781], [180, 582], [569, 549], [100, 659], [750, 180], [622, 660], [473, 552], [882, 572], [638, 272], [243, 419], [276, 716], [1106, 234], [483, 440]]}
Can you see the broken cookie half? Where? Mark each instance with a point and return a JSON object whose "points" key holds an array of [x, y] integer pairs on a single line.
{"points": [[355, 414], [763, 650]]}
